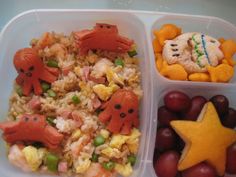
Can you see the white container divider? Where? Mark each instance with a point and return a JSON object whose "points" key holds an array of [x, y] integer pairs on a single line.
{"points": [[137, 25]]}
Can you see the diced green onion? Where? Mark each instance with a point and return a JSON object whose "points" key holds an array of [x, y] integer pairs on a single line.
{"points": [[99, 140], [45, 86], [132, 53], [51, 93], [52, 162], [119, 62], [50, 121], [52, 63], [132, 159], [94, 157], [19, 90], [108, 165], [75, 99]]}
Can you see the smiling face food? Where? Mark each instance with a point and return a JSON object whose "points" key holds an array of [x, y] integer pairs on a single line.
{"points": [[194, 51], [62, 111], [193, 56]]}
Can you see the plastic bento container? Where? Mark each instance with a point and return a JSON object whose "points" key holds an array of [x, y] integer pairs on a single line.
{"points": [[137, 25]]}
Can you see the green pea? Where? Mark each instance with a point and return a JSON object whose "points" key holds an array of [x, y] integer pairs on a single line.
{"points": [[19, 90], [99, 140], [52, 162], [108, 165], [50, 120], [51, 93], [75, 99], [132, 159], [119, 62], [52, 63], [45, 86], [132, 53], [94, 157]]}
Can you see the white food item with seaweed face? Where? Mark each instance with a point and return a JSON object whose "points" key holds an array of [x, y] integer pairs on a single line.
{"points": [[194, 51]]}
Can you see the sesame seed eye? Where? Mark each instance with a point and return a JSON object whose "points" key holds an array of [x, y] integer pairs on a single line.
{"points": [[130, 111], [35, 119], [117, 106], [26, 119]]}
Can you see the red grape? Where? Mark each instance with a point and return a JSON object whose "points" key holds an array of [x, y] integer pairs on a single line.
{"points": [[166, 165], [177, 101], [231, 159], [165, 116], [194, 110], [200, 170], [165, 139], [221, 104], [229, 120]]}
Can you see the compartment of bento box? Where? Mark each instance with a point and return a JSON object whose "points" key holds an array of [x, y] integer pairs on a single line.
{"points": [[21, 29]]}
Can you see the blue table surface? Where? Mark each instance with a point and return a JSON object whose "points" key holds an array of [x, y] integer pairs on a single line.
{"points": [[220, 8]]}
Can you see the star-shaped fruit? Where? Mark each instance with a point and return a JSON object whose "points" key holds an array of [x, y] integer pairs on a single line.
{"points": [[205, 140]]}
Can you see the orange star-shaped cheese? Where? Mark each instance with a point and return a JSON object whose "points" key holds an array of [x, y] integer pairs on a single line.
{"points": [[206, 140]]}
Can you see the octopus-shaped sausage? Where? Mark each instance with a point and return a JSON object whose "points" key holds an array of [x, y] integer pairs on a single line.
{"points": [[31, 127], [121, 111], [31, 70], [104, 37]]}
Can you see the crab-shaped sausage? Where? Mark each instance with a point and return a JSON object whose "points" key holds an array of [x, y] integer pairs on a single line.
{"points": [[31, 127], [104, 37], [31, 70], [121, 112]]}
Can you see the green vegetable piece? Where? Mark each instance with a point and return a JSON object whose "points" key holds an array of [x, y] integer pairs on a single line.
{"points": [[19, 90], [108, 165], [52, 162], [132, 159], [52, 63], [50, 121], [119, 62], [132, 53], [94, 157], [45, 86], [99, 140], [51, 93], [75, 99]]}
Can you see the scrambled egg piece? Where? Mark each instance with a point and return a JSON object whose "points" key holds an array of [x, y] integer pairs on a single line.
{"points": [[124, 170], [105, 133], [103, 92], [113, 77], [78, 71], [34, 156], [131, 140], [76, 134], [84, 166], [111, 152], [118, 140]]}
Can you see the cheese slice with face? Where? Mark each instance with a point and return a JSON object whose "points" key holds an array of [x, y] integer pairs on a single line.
{"points": [[194, 51]]}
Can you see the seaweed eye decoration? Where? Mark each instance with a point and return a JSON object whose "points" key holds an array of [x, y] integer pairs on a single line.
{"points": [[31, 70], [121, 112]]}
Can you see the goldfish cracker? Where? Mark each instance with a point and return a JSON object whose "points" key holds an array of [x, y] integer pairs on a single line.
{"points": [[228, 48], [221, 40], [221, 73], [159, 61], [174, 72], [156, 46], [167, 31], [224, 61], [202, 77]]}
